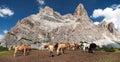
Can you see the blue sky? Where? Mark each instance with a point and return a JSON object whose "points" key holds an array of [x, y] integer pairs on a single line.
{"points": [[11, 11]]}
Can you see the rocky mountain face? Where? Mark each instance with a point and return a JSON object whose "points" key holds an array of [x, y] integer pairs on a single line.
{"points": [[50, 26]]}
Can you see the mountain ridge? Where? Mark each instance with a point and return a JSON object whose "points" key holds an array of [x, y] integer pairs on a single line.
{"points": [[50, 26]]}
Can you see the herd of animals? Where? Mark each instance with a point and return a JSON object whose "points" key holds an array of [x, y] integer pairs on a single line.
{"points": [[59, 48]]}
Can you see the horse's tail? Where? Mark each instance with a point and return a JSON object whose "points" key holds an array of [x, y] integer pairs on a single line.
{"points": [[56, 46]]}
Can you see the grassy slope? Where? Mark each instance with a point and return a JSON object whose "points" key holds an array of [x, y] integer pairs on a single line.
{"points": [[6, 53]]}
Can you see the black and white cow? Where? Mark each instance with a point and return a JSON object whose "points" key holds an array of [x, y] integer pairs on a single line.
{"points": [[92, 47]]}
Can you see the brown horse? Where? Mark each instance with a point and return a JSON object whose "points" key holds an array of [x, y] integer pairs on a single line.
{"points": [[62, 47], [51, 47], [25, 49]]}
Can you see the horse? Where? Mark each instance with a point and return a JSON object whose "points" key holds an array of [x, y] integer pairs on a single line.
{"points": [[92, 47], [51, 48], [62, 47], [25, 49]]}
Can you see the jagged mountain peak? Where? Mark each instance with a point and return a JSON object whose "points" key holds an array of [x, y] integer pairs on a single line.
{"points": [[47, 10], [80, 6], [80, 11]]}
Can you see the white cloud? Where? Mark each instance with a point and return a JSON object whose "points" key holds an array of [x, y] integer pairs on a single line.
{"points": [[5, 12], [5, 31], [110, 14], [41, 3], [97, 13], [2, 35]]}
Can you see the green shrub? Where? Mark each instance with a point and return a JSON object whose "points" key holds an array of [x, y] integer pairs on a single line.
{"points": [[99, 49], [106, 49], [3, 48], [109, 49]]}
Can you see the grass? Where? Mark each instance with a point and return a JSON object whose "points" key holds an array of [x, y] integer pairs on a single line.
{"points": [[110, 60], [6, 53]]}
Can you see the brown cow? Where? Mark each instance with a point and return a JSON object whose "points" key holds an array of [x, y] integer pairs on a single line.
{"points": [[51, 48], [61, 47], [25, 49]]}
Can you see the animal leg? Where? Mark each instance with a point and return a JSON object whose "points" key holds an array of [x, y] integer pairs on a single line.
{"points": [[62, 51], [50, 53], [15, 53], [90, 50], [84, 48], [58, 51], [24, 53], [28, 51]]}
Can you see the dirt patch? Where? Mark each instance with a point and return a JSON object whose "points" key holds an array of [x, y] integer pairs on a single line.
{"points": [[69, 56]]}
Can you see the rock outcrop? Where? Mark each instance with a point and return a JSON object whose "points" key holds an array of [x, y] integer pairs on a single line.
{"points": [[50, 26], [111, 27]]}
